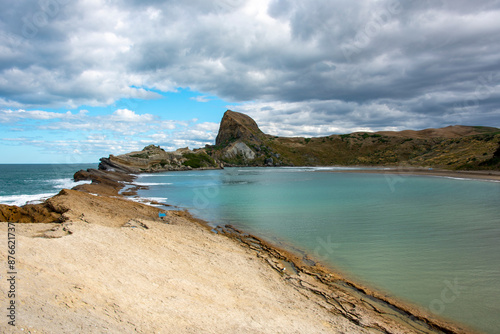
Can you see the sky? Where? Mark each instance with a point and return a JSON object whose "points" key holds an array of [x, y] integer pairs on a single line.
{"points": [[83, 79]]}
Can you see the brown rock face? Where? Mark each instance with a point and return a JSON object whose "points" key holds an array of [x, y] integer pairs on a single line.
{"points": [[31, 213], [235, 125]]}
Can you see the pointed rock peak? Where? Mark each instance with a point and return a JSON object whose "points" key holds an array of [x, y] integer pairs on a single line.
{"points": [[234, 126]]}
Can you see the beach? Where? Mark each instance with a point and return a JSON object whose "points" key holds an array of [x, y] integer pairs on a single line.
{"points": [[114, 265], [487, 175]]}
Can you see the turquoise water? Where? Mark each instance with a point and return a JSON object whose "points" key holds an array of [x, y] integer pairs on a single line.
{"points": [[428, 240], [22, 183]]}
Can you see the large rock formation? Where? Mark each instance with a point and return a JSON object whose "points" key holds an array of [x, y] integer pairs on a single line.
{"points": [[240, 142], [237, 126], [154, 159]]}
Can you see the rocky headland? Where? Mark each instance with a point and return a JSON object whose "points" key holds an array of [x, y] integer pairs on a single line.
{"points": [[240, 142]]}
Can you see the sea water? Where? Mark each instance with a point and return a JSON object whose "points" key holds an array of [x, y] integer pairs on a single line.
{"points": [[32, 183], [432, 241]]}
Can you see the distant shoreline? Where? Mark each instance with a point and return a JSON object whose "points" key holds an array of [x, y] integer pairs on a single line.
{"points": [[488, 175]]}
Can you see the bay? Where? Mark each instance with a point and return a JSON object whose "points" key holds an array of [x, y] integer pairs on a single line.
{"points": [[432, 241]]}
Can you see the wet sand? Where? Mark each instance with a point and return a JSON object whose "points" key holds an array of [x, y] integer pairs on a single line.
{"points": [[475, 175], [113, 265]]}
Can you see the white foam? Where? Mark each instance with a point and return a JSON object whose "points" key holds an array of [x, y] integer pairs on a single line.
{"points": [[345, 168], [151, 183], [67, 183], [468, 179], [148, 200], [20, 200], [306, 169]]}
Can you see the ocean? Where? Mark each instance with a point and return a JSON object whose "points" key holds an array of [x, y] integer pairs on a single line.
{"points": [[32, 183], [431, 241]]}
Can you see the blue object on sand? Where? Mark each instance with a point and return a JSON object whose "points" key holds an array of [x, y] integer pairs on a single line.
{"points": [[161, 214]]}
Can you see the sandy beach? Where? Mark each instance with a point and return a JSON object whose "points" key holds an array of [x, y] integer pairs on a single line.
{"points": [[489, 175], [114, 266]]}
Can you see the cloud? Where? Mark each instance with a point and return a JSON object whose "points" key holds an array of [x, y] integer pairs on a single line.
{"points": [[125, 115], [9, 116], [360, 64], [95, 136], [202, 98]]}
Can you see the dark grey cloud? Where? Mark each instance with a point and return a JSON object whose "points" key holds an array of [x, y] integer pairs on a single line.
{"points": [[362, 64]]}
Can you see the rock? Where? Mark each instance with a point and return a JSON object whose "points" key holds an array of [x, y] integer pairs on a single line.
{"points": [[134, 223], [57, 231], [183, 150], [31, 213], [150, 159], [110, 165], [235, 125], [103, 182], [153, 149], [240, 148], [268, 161]]}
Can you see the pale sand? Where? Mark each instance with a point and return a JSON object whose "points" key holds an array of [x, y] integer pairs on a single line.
{"points": [[488, 175], [115, 267]]}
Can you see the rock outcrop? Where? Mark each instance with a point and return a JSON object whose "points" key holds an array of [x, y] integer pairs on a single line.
{"points": [[237, 126], [239, 148], [154, 159], [45, 212], [240, 142]]}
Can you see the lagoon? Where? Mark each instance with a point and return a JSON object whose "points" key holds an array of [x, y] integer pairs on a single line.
{"points": [[431, 241]]}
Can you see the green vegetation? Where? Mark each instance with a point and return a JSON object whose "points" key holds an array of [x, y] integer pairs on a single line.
{"points": [[345, 136], [366, 135], [198, 160], [140, 155]]}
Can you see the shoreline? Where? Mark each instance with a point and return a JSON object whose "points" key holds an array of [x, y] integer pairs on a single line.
{"points": [[486, 175], [335, 280], [360, 306]]}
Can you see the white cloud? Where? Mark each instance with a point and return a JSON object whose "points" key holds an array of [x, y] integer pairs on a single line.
{"points": [[125, 115], [8, 115]]}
